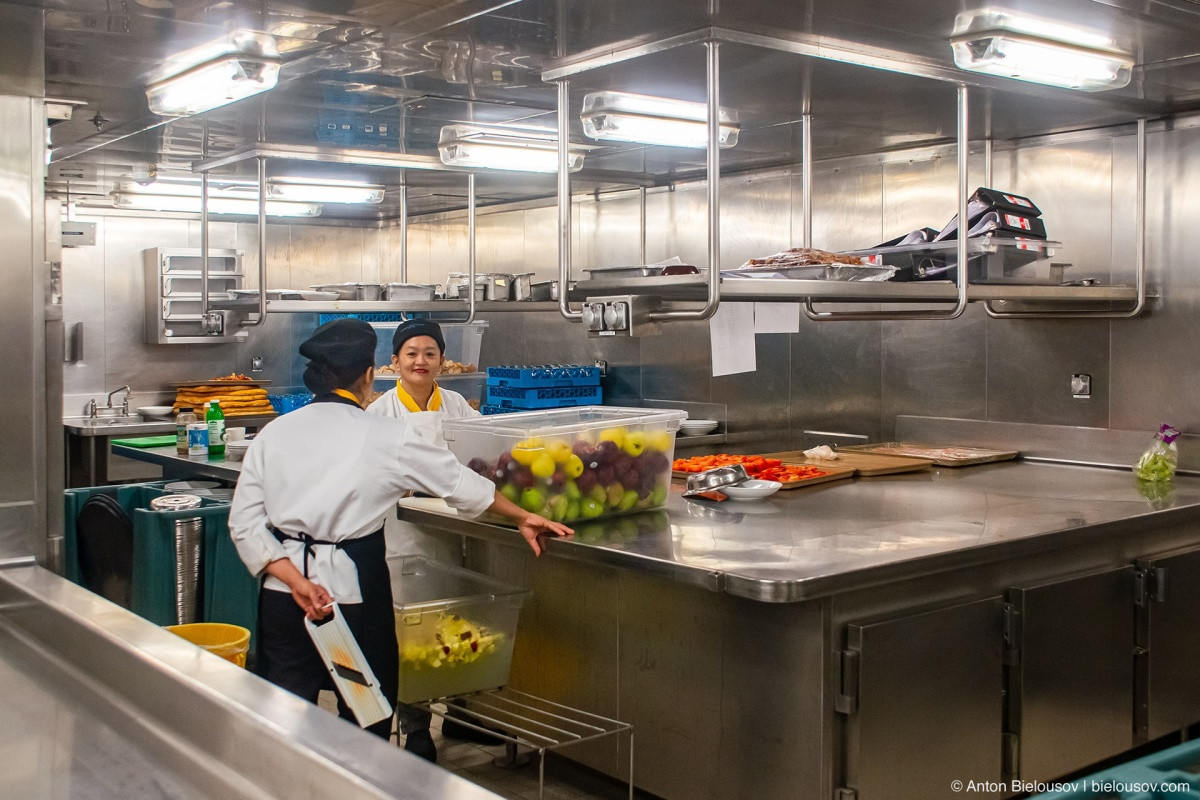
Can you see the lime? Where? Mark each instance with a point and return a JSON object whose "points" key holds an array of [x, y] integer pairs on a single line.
{"points": [[532, 500], [511, 492], [590, 508]]}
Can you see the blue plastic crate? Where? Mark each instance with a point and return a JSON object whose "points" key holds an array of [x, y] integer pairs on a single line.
{"points": [[365, 316], [547, 375], [546, 397], [488, 411], [1166, 775]]}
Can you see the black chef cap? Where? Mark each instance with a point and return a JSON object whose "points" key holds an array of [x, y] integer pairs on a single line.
{"points": [[338, 353], [417, 327]]}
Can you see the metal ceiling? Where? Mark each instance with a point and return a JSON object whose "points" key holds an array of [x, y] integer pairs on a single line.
{"points": [[411, 67]]}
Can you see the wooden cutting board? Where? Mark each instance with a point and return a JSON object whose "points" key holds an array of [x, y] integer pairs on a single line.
{"points": [[865, 464], [941, 455]]}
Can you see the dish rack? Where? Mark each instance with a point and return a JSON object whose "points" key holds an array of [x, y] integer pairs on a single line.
{"points": [[525, 388]]}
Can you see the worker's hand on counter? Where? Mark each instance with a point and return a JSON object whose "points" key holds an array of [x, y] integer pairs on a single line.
{"points": [[530, 525], [312, 597]]}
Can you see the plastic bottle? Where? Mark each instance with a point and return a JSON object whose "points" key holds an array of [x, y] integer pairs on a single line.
{"points": [[181, 430], [216, 429], [198, 437]]}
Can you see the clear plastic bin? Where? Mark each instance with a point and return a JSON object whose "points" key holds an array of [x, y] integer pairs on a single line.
{"points": [[455, 628], [573, 463]]}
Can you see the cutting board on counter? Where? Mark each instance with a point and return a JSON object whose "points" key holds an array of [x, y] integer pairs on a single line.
{"points": [[941, 455], [865, 464]]}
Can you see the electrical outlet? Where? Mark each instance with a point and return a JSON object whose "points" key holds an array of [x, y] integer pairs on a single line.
{"points": [[256, 364], [1081, 385]]}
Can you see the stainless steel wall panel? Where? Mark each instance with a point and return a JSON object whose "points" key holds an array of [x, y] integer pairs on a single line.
{"points": [[1029, 369], [609, 233], [320, 254], [447, 249], [756, 218], [934, 368], [84, 302], [922, 192], [847, 206], [500, 242], [836, 378], [678, 364], [1155, 361], [420, 254], [541, 243], [758, 403]]}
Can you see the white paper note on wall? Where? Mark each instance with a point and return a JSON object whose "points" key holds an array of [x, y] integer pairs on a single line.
{"points": [[731, 333], [776, 317]]}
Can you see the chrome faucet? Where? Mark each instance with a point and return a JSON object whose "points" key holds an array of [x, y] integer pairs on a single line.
{"points": [[124, 405]]}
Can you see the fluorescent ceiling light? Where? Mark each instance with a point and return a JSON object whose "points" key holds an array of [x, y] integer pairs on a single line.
{"points": [[1039, 51], [640, 118], [216, 205], [212, 84], [318, 190], [518, 149]]}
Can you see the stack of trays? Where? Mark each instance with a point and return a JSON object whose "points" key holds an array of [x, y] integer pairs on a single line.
{"points": [[546, 386]]}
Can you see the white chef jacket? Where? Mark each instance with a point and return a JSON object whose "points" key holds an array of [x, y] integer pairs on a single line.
{"points": [[335, 472], [404, 538]]}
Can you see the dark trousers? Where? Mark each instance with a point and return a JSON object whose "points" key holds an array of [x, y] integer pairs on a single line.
{"points": [[288, 658]]}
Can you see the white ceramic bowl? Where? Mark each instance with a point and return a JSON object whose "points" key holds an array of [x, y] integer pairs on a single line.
{"points": [[155, 411], [236, 451], [697, 427], [751, 490]]}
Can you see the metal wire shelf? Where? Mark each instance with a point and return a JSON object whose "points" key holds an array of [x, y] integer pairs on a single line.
{"points": [[520, 719]]}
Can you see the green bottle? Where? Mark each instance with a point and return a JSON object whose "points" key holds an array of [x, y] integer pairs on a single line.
{"points": [[216, 429]]}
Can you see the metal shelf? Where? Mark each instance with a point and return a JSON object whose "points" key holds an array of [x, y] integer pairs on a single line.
{"points": [[376, 306], [525, 720], [785, 290]]}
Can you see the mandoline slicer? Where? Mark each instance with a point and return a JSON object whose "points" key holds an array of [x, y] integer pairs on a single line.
{"points": [[352, 675]]}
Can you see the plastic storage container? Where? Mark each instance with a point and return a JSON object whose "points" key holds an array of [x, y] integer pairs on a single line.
{"points": [[455, 628], [1169, 774], [573, 463]]}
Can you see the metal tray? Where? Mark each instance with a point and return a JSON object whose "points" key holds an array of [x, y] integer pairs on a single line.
{"points": [[643, 271], [352, 291], [817, 272]]}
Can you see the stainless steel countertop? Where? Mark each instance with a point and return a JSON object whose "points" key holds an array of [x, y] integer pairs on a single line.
{"points": [[180, 465], [123, 427], [806, 543], [97, 702]]}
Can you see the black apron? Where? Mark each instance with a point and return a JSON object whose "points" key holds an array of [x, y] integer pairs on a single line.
{"points": [[287, 656]]}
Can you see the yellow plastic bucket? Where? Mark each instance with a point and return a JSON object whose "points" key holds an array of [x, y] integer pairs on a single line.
{"points": [[230, 642]]}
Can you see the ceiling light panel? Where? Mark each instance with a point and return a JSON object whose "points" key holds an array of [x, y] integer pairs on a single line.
{"points": [[624, 117]]}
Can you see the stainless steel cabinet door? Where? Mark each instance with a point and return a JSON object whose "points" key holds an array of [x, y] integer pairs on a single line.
{"points": [[1071, 683], [923, 701], [1172, 645]]}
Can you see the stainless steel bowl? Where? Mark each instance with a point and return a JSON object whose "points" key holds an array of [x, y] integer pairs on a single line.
{"points": [[408, 291], [715, 478]]}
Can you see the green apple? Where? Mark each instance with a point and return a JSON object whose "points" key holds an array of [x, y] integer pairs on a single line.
{"points": [[590, 508], [533, 500], [511, 492]]}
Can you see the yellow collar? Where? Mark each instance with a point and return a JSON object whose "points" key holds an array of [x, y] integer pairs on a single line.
{"points": [[406, 400], [349, 396]]}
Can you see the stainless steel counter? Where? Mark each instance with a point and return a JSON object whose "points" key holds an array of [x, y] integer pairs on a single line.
{"points": [[96, 702], [177, 466], [808, 543]]}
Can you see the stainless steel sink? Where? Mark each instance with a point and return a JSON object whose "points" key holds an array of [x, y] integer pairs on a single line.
{"points": [[104, 420]]}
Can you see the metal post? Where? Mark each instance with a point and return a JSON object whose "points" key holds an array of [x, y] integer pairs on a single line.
{"points": [[642, 216], [404, 233], [564, 201], [203, 244], [806, 165]]}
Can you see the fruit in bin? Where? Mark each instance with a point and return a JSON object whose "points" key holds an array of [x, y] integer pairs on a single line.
{"points": [[532, 500], [572, 511], [527, 451], [606, 474], [606, 452], [571, 490], [511, 492], [479, 466], [627, 501], [635, 443], [614, 494], [590, 507], [658, 496], [558, 450], [586, 481], [542, 465], [522, 477], [614, 435], [585, 450], [599, 493], [558, 479], [558, 507], [658, 441], [455, 640], [573, 466]]}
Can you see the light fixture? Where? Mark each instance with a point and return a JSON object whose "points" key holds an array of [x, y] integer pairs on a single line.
{"points": [[625, 117], [216, 205], [999, 42], [212, 84], [506, 148], [320, 190]]}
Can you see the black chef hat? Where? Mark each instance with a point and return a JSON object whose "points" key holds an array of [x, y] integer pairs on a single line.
{"points": [[338, 353], [417, 327]]}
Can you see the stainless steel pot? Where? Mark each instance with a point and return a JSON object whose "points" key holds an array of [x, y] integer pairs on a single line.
{"points": [[715, 478], [521, 286]]}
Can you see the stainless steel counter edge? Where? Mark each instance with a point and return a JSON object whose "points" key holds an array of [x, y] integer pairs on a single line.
{"points": [[82, 426], [225, 717], [808, 587]]}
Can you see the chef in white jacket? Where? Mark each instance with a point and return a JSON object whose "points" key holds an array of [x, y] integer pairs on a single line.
{"points": [[308, 512]]}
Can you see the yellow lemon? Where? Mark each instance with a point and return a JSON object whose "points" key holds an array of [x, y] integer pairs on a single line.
{"points": [[559, 450], [542, 466], [524, 455], [614, 435]]}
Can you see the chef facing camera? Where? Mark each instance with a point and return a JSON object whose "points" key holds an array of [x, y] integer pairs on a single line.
{"points": [[309, 509]]}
